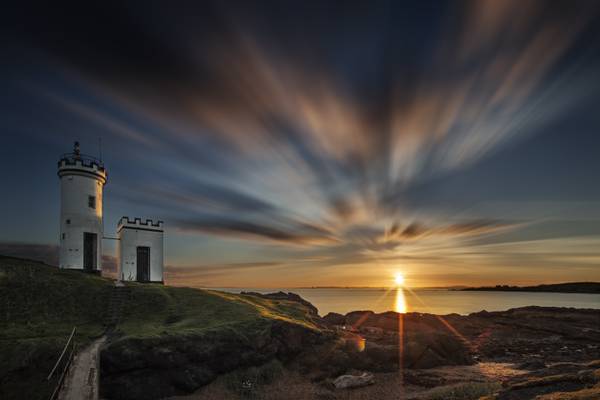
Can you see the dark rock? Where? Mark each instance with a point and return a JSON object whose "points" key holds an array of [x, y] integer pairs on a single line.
{"points": [[430, 350], [532, 365], [428, 359], [335, 319], [327, 362], [355, 319], [153, 368], [382, 358]]}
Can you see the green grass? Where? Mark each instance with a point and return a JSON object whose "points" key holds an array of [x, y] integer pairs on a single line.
{"points": [[155, 310], [40, 304]]}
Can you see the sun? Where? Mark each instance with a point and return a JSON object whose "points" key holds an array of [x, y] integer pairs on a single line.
{"points": [[399, 279]]}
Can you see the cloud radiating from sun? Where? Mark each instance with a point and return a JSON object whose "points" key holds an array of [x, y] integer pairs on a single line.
{"points": [[332, 153]]}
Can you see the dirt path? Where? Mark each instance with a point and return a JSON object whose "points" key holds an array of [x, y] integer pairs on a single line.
{"points": [[81, 383]]}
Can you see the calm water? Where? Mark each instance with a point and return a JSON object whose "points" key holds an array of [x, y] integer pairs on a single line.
{"points": [[431, 300]]}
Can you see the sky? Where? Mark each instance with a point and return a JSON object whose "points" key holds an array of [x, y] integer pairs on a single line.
{"points": [[315, 143]]}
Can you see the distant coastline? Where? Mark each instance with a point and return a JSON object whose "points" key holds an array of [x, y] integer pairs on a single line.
{"points": [[460, 287], [570, 287]]}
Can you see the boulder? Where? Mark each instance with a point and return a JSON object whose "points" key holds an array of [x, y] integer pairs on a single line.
{"points": [[335, 319], [354, 381], [356, 319], [428, 359], [381, 358]]}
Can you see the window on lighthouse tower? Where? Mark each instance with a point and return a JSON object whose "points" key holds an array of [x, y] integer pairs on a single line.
{"points": [[92, 201]]}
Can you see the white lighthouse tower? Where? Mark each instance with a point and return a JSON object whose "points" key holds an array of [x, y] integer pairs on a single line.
{"points": [[82, 180]]}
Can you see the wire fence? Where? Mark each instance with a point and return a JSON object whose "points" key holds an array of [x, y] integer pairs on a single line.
{"points": [[62, 364]]}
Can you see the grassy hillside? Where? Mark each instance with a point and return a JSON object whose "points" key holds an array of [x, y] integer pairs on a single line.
{"points": [[162, 310], [40, 304]]}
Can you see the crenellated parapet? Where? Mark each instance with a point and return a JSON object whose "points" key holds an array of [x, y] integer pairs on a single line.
{"points": [[82, 180], [80, 164], [138, 223], [140, 249]]}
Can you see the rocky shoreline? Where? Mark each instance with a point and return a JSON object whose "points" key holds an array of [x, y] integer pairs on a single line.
{"points": [[533, 351], [549, 333]]}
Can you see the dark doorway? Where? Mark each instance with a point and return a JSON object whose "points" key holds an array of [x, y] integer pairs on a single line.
{"points": [[90, 255], [143, 264]]}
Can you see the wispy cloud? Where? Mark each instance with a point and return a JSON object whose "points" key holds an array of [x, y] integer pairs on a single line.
{"points": [[240, 134], [298, 234]]}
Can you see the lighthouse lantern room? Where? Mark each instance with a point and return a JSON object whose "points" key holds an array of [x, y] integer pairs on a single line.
{"points": [[82, 179]]}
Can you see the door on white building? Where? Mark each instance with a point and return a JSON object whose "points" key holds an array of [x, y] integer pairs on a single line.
{"points": [[143, 264], [90, 255]]}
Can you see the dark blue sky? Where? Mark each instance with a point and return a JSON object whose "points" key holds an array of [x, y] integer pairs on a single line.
{"points": [[316, 143]]}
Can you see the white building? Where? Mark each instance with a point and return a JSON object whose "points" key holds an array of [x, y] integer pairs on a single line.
{"points": [[140, 250], [82, 179]]}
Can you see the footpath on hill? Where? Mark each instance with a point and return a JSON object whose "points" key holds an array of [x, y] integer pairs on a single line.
{"points": [[81, 382]]}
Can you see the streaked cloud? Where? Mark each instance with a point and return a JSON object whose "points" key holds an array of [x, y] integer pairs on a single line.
{"points": [[308, 146], [299, 234]]}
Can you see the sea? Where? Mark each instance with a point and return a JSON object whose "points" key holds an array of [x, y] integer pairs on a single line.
{"points": [[434, 301]]}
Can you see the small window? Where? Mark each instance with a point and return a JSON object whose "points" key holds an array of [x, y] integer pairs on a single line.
{"points": [[68, 222], [63, 236], [92, 201]]}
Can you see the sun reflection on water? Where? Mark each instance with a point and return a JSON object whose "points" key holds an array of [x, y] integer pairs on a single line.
{"points": [[400, 304]]}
